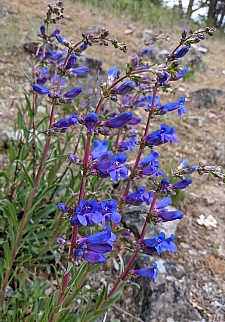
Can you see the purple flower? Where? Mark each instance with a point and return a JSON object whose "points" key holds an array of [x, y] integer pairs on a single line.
{"points": [[65, 123], [161, 136], [164, 185], [73, 158], [147, 272], [62, 207], [178, 75], [99, 149], [57, 56], [119, 121], [128, 145], [146, 51], [40, 89], [182, 52], [86, 214], [181, 184], [73, 92], [91, 120], [149, 165], [62, 40], [92, 247], [109, 212], [83, 47], [126, 87], [182, 164], [163, 214], [113, 73], [71, 61], [42, 80], [169, 107], [138, 197], [115, 170], [191, 169], [79, 70], [42, 29], [57, 31], [163, 78], [160, 243]]}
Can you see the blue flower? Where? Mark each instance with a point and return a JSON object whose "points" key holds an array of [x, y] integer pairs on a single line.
{"points": [[113, 73], [61, 40], [181, 184], [91, 120], [163, 214], [163, 135], [149, 165], [99, 149], [41, 89], [86, 214], [146, 51], [57, 56], [71, 61], [178, 75], [65, 123], [62, 207], [73, 92], [169, 107], [94, 246], [160, 243], [138, 197], [119, 121], [115, 170], [147, 272], [126, 87], [57, 31], [182, 52], [42, 29], [164, 185], [79, 70], [109, 212], [128, 145]]}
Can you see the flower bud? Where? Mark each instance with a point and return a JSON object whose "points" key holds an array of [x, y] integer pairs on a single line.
{"points": [[40, 89], [91, 120], [126, 87], [119, 121], [42, 29], [182, 52], [73, 92], [62, 207], [71, 61]]}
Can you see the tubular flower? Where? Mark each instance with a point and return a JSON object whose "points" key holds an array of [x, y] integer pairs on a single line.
{"points": [[161, 136], [182, 52], [119, 121], [126, 87], [86, 214], [113, 73], [160, 243], [138, 197], [91, 121], [162, 214], [40, 89], [79, 70], [181, 184], [163, 109], [115, 170], [147, 272], [93, 247], [65, 123], [73, 92], [109, 212], [178, 75], [149, 165]]}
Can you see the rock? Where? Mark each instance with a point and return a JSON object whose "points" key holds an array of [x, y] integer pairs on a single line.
{"points": [[165, 299], [196, 121], [208, 97], [193, 59], [95, 29], [94, 64], [134, 220], [203, 49], [128, 31], [147, 35]]}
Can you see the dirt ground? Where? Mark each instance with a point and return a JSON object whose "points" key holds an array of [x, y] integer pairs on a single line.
{"points": [[201, 242]]}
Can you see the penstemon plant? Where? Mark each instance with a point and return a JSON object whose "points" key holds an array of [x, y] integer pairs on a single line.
{"points": [[55, 196]]}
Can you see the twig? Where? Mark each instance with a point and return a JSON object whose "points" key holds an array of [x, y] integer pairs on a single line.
{"points": [[114, 306]]}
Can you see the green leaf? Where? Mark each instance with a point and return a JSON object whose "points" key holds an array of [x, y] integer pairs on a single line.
{"points": [[28, 78], [28, 177], [10, 213], [29, 108], [64, 156], [7, 254], [101, 297]]}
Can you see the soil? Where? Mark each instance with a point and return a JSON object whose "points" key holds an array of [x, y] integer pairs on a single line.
{"points": [[201, 244]]}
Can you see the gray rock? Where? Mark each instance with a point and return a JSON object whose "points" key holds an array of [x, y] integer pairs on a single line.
{"points": [[96, 29], [165, 299], [134, 220], [208, 97]]}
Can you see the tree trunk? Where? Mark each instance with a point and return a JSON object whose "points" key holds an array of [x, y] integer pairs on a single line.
{"points": [[189, 10]]}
